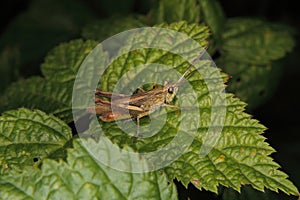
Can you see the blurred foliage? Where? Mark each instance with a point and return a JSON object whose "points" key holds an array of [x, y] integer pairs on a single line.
{"points": [[255, 41], [251, 50], [9, 66], [62, 63], [214, 16], [164, 12], [253, 83], [34, 32], [103, 29]]}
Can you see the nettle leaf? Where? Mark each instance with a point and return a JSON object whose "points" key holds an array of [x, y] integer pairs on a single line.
{"points": [[174, 11], [29, 136], [62, 63], [129, 58], [82, 177], [38, 93], [213, 15], [240, 156], [254, 84], [255, 41], [103, 29]]}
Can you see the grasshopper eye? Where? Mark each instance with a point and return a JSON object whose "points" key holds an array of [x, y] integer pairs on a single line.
{"points": [[170, 90]]}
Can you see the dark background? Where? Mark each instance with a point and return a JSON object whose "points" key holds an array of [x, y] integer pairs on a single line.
{"points": [[280, 113]]}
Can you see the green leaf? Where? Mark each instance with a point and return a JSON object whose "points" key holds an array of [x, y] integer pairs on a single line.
{"points": [[254, 84], [213, 16], [174, 11], [114, 72], [103, 29], [240, 156], [255, 41], [40, 94], [29, 136], [62, 63], [82, 177]]}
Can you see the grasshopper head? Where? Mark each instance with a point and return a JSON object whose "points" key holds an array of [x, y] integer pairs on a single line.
{"points": [[170, 91]]}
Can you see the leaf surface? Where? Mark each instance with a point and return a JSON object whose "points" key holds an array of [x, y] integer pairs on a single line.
{"points": [[62, 63], [82, 177], [29, 136], [38, 93]]}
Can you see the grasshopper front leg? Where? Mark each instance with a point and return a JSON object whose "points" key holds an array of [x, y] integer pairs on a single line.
{"points": [[145, 113], [138, 122]]}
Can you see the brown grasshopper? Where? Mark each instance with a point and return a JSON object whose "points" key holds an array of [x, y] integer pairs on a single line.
{"points": [[137, 105]]}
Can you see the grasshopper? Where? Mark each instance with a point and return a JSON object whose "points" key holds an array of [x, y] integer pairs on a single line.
{"points": [[137, 105]]}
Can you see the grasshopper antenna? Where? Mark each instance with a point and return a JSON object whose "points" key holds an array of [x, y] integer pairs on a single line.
{"points": [[190, 66]]}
